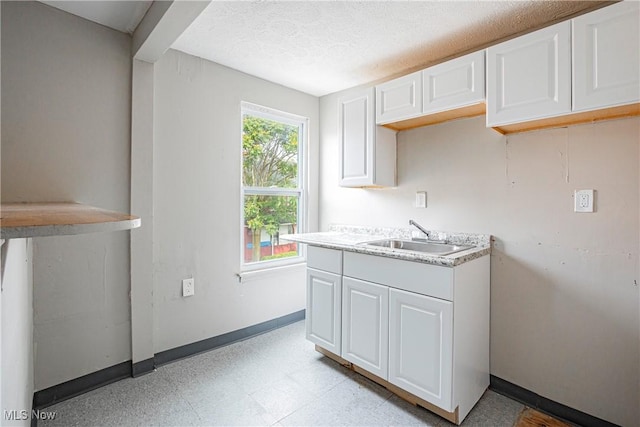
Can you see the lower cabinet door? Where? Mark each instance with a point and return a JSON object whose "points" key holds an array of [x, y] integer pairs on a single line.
{"points": [[324, 296], [421, 346], [365, 325]]}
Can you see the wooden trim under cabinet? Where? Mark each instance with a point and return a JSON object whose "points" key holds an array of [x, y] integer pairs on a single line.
{"points": [[453, 417], [619, 112], [441, 117]]}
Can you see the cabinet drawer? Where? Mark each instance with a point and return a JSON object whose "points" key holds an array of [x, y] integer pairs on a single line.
{"points": [[324, 259], [425, 279]]}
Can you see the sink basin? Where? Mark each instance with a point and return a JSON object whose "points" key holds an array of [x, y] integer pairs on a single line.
{"points": [[425, 247]]}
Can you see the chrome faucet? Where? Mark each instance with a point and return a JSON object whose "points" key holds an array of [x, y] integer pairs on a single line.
{"points": [[419, 227]]}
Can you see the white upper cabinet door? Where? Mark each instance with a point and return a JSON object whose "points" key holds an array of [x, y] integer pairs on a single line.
{"points": [[399, 99], [421, 346], [606, 57], [367, 151], [324, 301], [365, 325], [453, 84], [529, 77], [357, 129]]}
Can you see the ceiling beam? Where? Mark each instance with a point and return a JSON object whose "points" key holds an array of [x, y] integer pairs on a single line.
{"points": [[164, 22]]}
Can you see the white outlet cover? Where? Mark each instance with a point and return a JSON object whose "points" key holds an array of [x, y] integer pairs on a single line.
{"points": [[583, 200], [188, 287], [421, 199]]}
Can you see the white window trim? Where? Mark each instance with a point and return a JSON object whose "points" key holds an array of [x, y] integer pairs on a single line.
{"points": [[300, 192]]}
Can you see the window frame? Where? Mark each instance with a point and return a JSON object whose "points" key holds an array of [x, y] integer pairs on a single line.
{"points": [[300, 191]]}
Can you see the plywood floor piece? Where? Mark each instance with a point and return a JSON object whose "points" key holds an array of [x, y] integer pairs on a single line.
{"points": [[532, 418]]}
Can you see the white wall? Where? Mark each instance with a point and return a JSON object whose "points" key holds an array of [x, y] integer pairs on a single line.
{"points": [[17, 331], [564, 307], [196, 168], [66, 108]]}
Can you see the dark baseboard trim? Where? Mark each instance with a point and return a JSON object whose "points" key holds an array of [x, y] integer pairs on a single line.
{"points": [[72, 388], [78, 386], [143, 367], [543, 404], [192, 349]]}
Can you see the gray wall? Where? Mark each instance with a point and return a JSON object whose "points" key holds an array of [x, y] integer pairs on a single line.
{"points": [[16, 330], [196, 209], [66, 103], [564, 307]]}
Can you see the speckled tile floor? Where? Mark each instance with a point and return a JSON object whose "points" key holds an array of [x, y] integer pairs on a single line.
{"points": [[275, 379]]}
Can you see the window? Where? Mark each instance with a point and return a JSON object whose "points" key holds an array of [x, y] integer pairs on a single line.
{"points": [[272, 185]]}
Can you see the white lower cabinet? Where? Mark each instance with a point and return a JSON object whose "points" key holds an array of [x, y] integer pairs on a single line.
{"points": [[365, 325], [417, 327], [324, 296], [421, 346]]}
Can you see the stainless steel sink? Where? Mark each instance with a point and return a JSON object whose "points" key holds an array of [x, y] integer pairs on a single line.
{"points": [[415, 246]]}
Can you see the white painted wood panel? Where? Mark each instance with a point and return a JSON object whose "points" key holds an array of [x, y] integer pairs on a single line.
{"points": [[367, 152], [453, 84], [399, 99], [324, 259], [365, 325], [356, 139], [606, 57], [324, 301], [421, 346], [426, 279], [529, 77], [471, 311]]}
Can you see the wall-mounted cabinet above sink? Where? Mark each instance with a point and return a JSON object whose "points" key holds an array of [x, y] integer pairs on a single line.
{"points": [[580, 70], [450, 90]]}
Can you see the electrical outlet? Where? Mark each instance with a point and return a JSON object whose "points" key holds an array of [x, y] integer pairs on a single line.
{"points": [[583, 201], [188, 287], [421, 199]]}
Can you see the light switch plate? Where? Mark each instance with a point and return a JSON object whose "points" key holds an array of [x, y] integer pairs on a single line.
{"points": [[421, 199], [583, 201]]}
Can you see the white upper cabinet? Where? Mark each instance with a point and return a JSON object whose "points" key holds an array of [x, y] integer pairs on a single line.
{"points": [[454, 84], [367, 151], [606, 57], [399, 99], [529, 77]]}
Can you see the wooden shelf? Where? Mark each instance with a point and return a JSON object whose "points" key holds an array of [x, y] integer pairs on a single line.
{"points": [[18, 220]]}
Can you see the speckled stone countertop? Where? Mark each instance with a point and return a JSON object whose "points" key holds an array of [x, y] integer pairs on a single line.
{"points": [[351, 238]]}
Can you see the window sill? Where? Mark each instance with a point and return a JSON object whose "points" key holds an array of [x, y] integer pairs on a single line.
{"points": [[268, 271]]}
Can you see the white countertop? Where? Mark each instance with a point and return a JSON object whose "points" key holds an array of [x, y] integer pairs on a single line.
{"points": [[351, 238]]}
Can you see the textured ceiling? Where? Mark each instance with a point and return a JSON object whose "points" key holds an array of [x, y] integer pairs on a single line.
{"points": [[320, 47]]}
